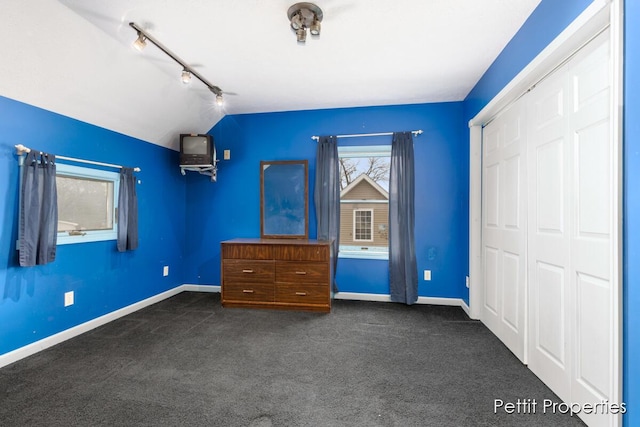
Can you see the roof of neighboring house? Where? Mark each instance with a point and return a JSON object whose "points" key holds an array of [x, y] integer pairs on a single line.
{"points": [[367, 179]]}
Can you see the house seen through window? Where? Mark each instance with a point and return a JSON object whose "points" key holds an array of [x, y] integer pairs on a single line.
{"points": [[364, 201]]}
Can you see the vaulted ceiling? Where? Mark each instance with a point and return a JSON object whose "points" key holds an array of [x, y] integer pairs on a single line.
{"points": [[74, 57]]}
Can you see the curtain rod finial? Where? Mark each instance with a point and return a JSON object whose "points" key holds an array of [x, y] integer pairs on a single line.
{"points": [[21, 149]]}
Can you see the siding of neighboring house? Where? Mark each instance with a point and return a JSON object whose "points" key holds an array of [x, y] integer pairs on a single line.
{"points": [[364, 191]]}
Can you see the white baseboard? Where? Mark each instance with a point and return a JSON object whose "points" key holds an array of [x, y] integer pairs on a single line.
{"points": [[33, 348], [201, 288], [466, 308], [456, 302]]}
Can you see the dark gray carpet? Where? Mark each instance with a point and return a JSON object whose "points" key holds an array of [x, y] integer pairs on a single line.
{"points": [[189, 362]]}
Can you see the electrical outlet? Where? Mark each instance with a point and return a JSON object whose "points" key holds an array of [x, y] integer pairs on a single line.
{"points": [[427, 275], [165, 270], [227, 154], [467, 282], [68, 298]]}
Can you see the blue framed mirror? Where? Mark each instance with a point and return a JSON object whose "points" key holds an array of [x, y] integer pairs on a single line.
{"points": [[284, 199]]}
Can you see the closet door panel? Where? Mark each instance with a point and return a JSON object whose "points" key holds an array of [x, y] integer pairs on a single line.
{"points": [[592, 244], [504, 229], [549, 233]]}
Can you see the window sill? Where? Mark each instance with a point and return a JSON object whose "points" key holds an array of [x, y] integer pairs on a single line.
{"points": [[363, 255], [65, 239]]}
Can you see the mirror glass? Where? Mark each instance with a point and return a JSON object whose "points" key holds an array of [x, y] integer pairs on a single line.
{"points": [[284, 206]]}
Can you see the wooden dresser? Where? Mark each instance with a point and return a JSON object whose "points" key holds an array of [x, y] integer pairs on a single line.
{"points": [[283, 274]]}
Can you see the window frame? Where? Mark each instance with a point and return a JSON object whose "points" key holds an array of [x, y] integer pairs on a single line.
{"points": [[349, 251], [79, 172], [355, 224]]}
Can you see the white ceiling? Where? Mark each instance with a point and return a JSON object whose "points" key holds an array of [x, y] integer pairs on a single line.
{"points": [[74, 57]]}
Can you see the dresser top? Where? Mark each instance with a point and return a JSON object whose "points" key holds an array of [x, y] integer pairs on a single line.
{"points": [[297, 242]]}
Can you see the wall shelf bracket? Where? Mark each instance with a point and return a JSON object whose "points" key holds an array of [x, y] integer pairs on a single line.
{"points": [[211, 170]]}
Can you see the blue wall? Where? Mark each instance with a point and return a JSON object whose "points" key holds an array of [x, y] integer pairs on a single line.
{"points": [[545, 23], [548, 20], [631, 272], [230, 208], [31, 299]]}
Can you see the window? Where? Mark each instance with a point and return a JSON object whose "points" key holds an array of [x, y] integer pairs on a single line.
{"points": [[87, 204], [364, 201], [363, 225]]}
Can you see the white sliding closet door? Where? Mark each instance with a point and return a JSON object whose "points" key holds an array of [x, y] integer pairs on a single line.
{"points": [[550, 193], [504, 228], [572, 293]]}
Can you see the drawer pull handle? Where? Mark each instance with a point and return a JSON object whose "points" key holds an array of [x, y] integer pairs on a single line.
{"points": [[301, 272], [247, 291], [247, 271], [301, 294]]}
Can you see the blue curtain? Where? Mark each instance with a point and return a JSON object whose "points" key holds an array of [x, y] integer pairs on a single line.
{"points": [[127, 212], [38, 210], [327, 196], [403, 270]]}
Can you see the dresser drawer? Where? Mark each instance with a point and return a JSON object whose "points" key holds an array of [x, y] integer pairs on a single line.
{"points": [[248, 292], [301, 252], [301, 272], [302, 294], [240, 270], [244, 251]]}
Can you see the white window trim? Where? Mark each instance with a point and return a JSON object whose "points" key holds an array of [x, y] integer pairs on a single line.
{"points": [[354, 225], [91, 235], [363, 151]]}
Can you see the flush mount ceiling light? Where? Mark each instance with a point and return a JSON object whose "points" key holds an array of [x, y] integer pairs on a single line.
{"points": [[302, 16], [187, 71]]}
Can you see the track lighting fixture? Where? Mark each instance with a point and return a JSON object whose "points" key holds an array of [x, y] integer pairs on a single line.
{"points": [[302, 16], [187, 71]]}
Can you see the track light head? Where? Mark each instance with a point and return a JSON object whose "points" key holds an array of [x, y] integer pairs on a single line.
{"points": [[314, 29], [297, 22], [141, 42], [219, 100], [186, 76], [301, 35]]}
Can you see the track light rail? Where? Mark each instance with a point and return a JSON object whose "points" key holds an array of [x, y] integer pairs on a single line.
{"points": [[213, 88]]}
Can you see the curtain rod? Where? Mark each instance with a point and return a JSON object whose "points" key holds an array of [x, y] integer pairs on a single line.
{"points": [[358, 135], [22, 149]]}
